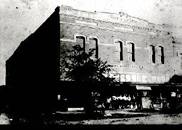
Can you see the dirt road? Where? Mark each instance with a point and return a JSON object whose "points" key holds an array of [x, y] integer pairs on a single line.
{"points": [[124, 117]]}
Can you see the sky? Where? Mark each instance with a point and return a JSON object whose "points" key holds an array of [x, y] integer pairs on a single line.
{"points": [[20, 18]]}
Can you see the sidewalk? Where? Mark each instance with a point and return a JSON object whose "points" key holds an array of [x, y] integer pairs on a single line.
{"points": [[127, 111], [80, 115]]}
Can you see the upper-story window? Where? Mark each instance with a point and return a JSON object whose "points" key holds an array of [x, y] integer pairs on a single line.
{"points": [[80, 40], [131, 51], [93, 44], [180, 55], [152, 50], [161, 54], [119, 48]]}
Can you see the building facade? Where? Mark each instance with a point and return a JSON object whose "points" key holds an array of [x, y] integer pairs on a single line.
{"points": [[141, 53]]}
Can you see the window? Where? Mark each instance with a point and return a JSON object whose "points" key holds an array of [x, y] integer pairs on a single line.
{"points": [[93, 44], [80, 40], [180, 54], [131, 51], [152, 53], [119, 48], [161, 54]]}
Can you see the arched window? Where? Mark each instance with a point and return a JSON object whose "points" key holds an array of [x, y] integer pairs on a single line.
{"points": [[161, 54], [93, 44], [131, 51], [80, 40], [152, 51], [119, 48]]}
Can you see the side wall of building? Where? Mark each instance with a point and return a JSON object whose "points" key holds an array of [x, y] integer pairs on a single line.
{"points": [[32, 72]]}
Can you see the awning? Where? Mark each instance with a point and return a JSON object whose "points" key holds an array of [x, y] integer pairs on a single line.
{"points": [[142, 87]]}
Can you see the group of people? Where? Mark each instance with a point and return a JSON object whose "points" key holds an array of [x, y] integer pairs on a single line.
{"points": [[120, 102]]}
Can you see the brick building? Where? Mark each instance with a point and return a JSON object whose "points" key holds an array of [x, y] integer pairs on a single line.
{"points": [[144, 56], [141, 53]]}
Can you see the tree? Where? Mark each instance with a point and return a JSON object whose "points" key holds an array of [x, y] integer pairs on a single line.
{"points": [[80, 66]]}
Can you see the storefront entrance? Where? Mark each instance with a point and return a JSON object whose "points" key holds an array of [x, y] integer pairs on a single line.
{"points": [[144, 96]]}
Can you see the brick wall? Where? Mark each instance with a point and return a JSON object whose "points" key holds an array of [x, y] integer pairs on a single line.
{"points": [[108, 30]]}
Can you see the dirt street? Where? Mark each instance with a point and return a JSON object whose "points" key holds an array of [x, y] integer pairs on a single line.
{"points": [[124, 117], [112, 117]]}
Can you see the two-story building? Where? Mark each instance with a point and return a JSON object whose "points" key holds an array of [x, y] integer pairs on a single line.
{"points": [[141, 53]]}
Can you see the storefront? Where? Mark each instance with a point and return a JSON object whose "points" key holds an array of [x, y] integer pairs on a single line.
{"points": [[144, 95]]}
